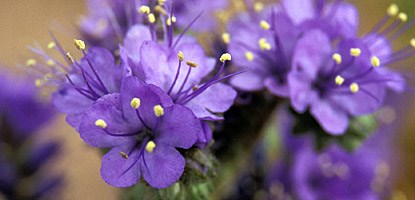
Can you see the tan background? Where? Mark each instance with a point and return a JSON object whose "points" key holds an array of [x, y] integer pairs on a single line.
{"points": [[24, 22]]}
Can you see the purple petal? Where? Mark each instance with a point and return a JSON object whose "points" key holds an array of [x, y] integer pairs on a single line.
{"points": [[332, 118], [119, 171], [133, 40], [248, 81], [204, 105], [301, 93], [162, 167], [276, 87], [179, 127], [107, 108], [344, 19], [299, 10], [205, 138]]}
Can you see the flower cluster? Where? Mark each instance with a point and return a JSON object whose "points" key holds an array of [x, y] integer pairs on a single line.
{"points": [[315, 58], [146, 102], [22, 114]]}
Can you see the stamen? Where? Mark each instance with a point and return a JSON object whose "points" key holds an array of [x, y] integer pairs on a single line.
{"points": [[31, 62], [403, 17], [258, 6], [79, 44], [51, 45], [50, 63], [144, 10], [191, 64], [337, 58], [354, 87], [249, 56], [151, 18], [339, 80], [180, 55], [161, 2], [160, 10], [38, 83], [412, 42], [158, 110], [355, 52], [135, 103], [101, 123], [171, 20], [124, 155], [264, 25], [225, 57], [150, 146], [375, 61], [393, 10], [70, 58], [226, 37], [263, 44]]}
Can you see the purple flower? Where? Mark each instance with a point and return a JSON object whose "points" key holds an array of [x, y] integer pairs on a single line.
{"points": [[143, 128], [180, 69]]}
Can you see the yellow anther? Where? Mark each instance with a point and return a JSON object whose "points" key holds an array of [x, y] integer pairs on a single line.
{"points": [[354, 87], [150, 146], [224, 57], [226, 37], [80, 45], [258, 6], [161, 2], [393, 10], [355, 52], [191, 64], [194, 88], [375, 61], [158, 110], [412, 42], [39, 83], [51, 45], [171, 20], [264, 25], [337, 58], [151, 18], [159, 9], [135, 103], [31, 62], [339, 80], [70, 58], [263, 44], [101, 123], [144, 10], [403, 17], [180, 55], [50, 62], [249, 56], [124, 155]]}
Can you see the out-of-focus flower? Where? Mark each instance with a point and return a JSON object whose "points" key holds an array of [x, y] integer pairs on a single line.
{"points": [[143, 127], [22, 114]]}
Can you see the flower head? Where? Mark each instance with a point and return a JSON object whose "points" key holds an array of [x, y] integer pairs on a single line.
{"points": [[143, 127]]}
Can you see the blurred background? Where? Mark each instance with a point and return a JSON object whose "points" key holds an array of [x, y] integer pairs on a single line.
{"points": [[28, 22]]}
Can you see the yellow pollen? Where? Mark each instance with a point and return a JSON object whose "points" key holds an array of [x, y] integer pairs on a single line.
{"points": [[264, 25], [354, 87], [403, 17], [50, 62], [191, 64], [158, 110], [51, 45], [225, 57], [194, 88], [161, 2], [339, 80], [144, 10], [258, 6], [171, 20], [249, 56], [150, 146], [80, 45], [151, 18], [337, 58], [124, 155], [393, 10], [355, 52], [375, 61], [31, 62], [412, 42], [101, 123], [70, 58], [226, 37], [180, 55], [263, 44], [135, 103], [38, 83]]}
